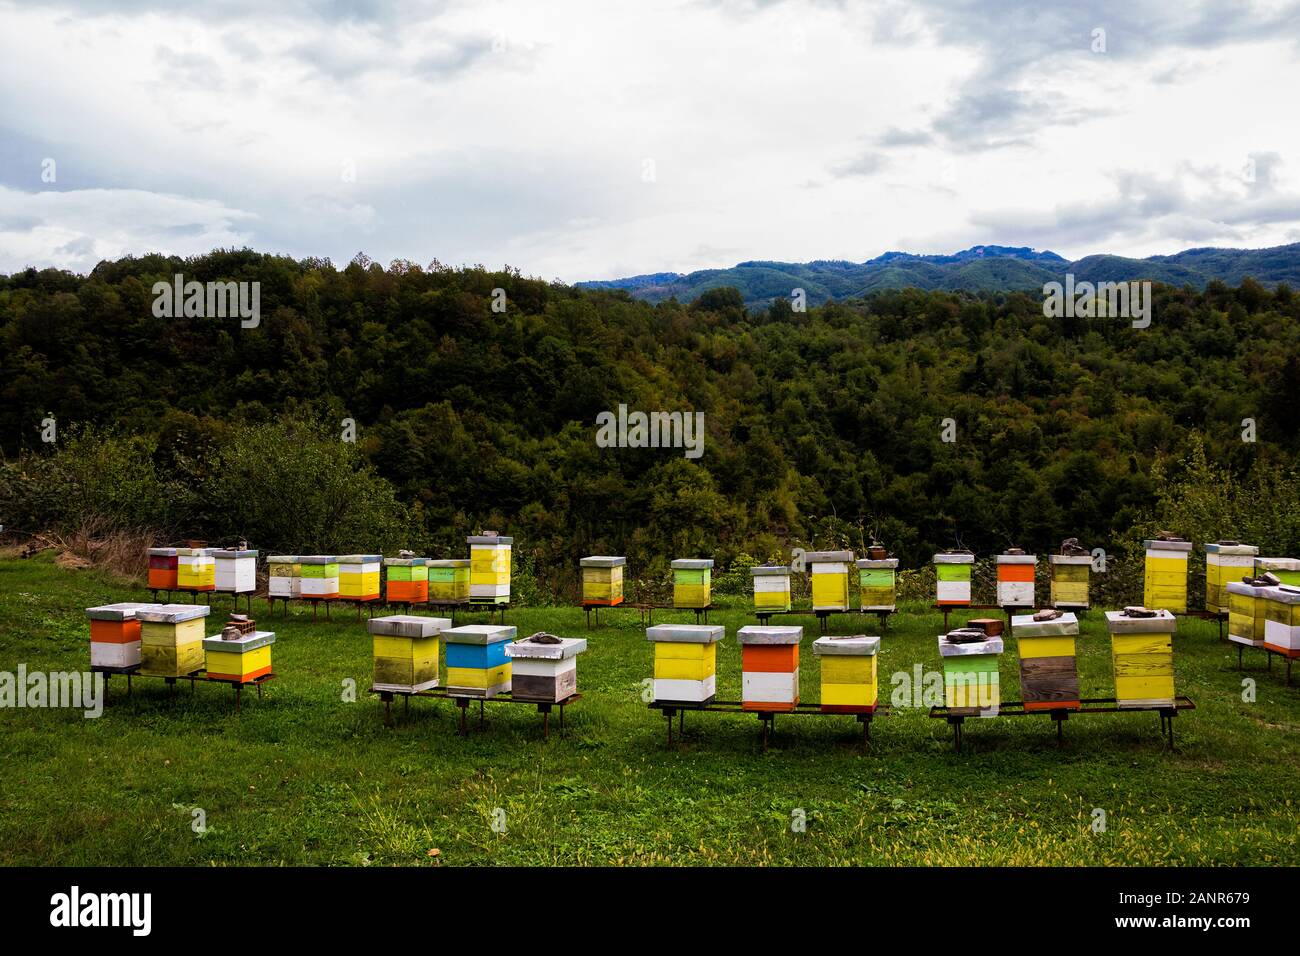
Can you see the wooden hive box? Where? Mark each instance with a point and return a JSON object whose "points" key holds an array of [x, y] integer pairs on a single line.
{"points": [[405, 648], [1225, 563], [1070, 580], [771, 587], [489, 568], [545, 673], [1287, 570], [477, 665], [407, 580], [115, 634], [163, 569], [877, 581], [602, 579], [171, 639], [1165, 583], [1016, 579], [320, 576], [971, 687], [1246, 617], [848, 679], [829, 575], [769, 659], [196, 569], [236, 571], [1282, 620], [952, 578], [244, 659], [449, 581], [686, 661], [359, 576], [692, 582], [1142, 650], [280, 577], [1049, 674]]}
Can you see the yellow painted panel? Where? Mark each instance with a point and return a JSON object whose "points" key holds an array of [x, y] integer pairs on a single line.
{"points": [[171, 635], [830, 589], [862, 695], [848, 670], [685, 651], [690, 595], [668, 668], [478, 676], [232, 662], [405, 648], [1142, 643], [1144, 665], [164, 661], [1143, 688], [1166, 566], [1046, 647]]}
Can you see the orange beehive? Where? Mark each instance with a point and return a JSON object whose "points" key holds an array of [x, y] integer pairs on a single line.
{"points": [[162, 569]]}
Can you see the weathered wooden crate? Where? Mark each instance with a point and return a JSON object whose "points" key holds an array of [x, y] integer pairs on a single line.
{"points": [[405, 648], [1049, 675], [1070, 573], [545, 673], [1225, 563], [1246, 618], [602, 579], [449, 580], [1282, 619], [1165, 582], [171, 639], [877, 584]]}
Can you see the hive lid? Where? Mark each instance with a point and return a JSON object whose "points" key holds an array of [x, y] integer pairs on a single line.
{"points": [[282, 559], [195, 552], [450, 563], [954, 558], [1070, 558], [1278, 564], [1017, 559], [408, 625], [859, 645], [1218, 547], [972, 648], [360, 558], [692, 564], [769, 571], [480, 634], [770, 634], [317, 559], [1283, 594], [171, 613], [233, 553], [488, 539], [602, 561], [162, 552], [240, 645], [1249, 590], [877, 564], [686, 633], [1159, 544], [1163, 623], [1024, 625], [828, 557], [405, 562], [566, 648], [123, 611]]}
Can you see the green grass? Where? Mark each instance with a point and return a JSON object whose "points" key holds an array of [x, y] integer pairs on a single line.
{"points": [[303, 777]]}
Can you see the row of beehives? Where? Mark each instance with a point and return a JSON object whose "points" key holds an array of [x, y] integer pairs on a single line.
{"points": [[168, 640]]}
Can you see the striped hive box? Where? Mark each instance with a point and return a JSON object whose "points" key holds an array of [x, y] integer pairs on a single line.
{"points": [[829, 575], [1246, 619], [1287, 570], [602, 579], [970, 677], [1225, 563], [545, 673], [1165, 584], [1282, 620], [1049, 675], [280, 581], [115, 634], [685, 669], [320, 576], [848, 666], [489, 568], [162, 569], [236, 571], [1070, 580], [359, 576], [196, 569], [449, 581], [171, 639], [691, 582], [769, 665], [1016, 579], [408, 580], [876, 582], [477, 665], [244, 659], [405, 648], [1143, 653], [952, 579], [771, 587]]}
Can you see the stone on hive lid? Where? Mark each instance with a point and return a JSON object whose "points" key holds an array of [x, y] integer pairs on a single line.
{"points": [[1024, 625], [1117, 622]]}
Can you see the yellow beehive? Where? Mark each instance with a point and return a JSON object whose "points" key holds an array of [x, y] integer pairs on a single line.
{"points": [[848, 673], [1225, 561], [1165, 584], [241, 659], [171, 639], [685, 663], [692, 582], [1246, 617], [1142, 649], [449, 581], [1070, 580], [406, 651], [829, 574], [489, 568], [771, 588], [359, 576], [602, 579], [196, 569]]}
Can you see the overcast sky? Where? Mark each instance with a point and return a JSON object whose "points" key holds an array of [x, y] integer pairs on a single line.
{"points": [[578, 140]]}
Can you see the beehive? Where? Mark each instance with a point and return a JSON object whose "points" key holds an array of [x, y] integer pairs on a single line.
{"points": [[1166, 575], [163, 568], [281, 581], [244, 659], [1142, 649], [771, 587], [952, 578], [1282, 619], [876, 584], [970, 676], [829, 575], [405, 650], [1287, 570], [489, 568], [685, 668], [359, 576], [236, 571], [691, 582], [320, 576], [477, 665], [848, 665], [1070, 580], [408, 580], [1225, 563], [602, 579], [1246, 613], [196, 569], [171, 639], [1016, 579], [449, 581], [545, 673], [769, 664], [1049, 675], [115, 634]]}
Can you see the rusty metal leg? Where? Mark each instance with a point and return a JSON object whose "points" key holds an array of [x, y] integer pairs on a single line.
{"points": [[128, 685], [259, 691], [546, 720], [406, 704], [387, 698], [1240, 648], [463, 704], [762, 718], [480, 715], [239, 694]]}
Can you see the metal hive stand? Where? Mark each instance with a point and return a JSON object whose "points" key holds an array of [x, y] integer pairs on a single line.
{"points": [[462, 704], [956, 716], [678, 709]]}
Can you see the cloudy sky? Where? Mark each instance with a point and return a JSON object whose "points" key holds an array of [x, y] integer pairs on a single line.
{"points": [[581, 140]]}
